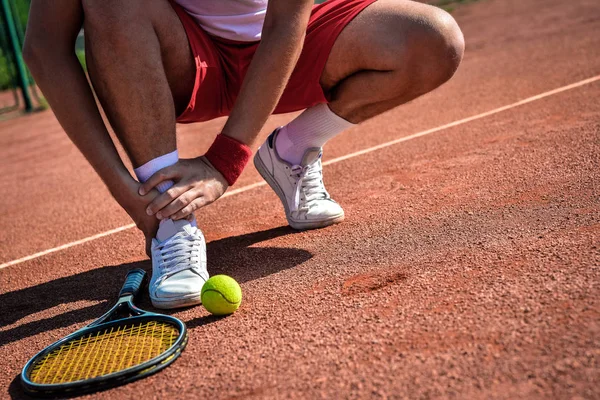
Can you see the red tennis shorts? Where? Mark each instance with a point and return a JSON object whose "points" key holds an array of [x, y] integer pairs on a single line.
{"points": [[221, 64]]}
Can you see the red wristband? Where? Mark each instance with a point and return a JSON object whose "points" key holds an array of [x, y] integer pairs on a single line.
{"points": [[229, 157]]}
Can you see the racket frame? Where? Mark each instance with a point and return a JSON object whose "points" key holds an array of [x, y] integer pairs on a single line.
{"points": [[134, 282]]}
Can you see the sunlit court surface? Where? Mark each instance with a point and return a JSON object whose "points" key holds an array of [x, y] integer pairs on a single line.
{"points": [[467, 266]]}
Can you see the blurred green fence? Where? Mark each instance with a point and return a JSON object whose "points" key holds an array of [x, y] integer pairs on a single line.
{"points": [[16, 84]]}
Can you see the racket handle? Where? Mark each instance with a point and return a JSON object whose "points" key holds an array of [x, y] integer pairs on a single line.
{"points": [[133, 283]]}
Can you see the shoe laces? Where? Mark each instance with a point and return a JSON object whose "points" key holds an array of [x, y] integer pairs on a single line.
{"points": [[178, 253], [309, 185]]}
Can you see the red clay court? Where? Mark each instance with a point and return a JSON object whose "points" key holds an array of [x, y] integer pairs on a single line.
{"points": [[467, 267]]}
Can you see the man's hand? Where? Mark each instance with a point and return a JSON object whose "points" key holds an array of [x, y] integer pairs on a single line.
{"points": [[127, 195], [197, 184]]}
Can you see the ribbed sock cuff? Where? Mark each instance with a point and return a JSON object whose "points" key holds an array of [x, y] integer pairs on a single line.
{"points": [[313, 128], [144, 172]]}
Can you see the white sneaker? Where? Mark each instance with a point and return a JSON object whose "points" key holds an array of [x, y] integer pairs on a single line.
{"points": [[299, 187], [178, 265]]}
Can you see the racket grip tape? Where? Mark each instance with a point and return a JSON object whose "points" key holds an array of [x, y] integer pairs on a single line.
{"points": [[133, 283]]}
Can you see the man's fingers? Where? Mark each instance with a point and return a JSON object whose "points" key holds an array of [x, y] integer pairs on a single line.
{"points": [[165, 174], [164, 199], [190, 208], [176, 205]]}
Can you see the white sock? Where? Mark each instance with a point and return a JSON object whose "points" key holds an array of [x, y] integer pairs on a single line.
{"points": [[313, 128], [144, 172]]}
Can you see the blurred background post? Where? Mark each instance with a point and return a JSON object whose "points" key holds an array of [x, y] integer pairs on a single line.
{"points": [[15, 81]]}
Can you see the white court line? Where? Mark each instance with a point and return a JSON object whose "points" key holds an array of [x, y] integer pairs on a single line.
{"points": [[332, 161]]}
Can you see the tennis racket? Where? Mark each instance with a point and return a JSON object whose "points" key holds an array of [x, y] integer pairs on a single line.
{"points": [[123, 345]]}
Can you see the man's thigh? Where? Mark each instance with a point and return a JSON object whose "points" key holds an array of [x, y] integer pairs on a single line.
{"points": [[115, 21], [391, 35]]}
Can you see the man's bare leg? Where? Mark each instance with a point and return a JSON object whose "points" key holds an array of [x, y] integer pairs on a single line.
{"points": [[143, 72], [142, 69], [393, 52]]}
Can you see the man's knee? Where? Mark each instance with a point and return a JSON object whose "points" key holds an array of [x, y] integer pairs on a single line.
{"points": [[422, 42], [447, 39], [438, 46]]}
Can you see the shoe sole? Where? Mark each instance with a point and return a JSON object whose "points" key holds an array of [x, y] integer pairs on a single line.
{"points": [[181, 302], [298, 225]]}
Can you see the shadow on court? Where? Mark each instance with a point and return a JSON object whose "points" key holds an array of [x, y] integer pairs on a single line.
{"points": [[232, 256]]}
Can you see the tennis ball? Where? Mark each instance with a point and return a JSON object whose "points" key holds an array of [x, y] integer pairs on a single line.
{"points": [[221, 295]]}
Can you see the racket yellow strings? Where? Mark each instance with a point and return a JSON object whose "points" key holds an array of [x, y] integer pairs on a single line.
{"points": [[104, 352]]}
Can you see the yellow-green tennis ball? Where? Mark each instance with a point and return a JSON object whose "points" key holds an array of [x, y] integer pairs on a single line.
{"points": [[221, 295]]}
